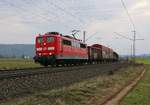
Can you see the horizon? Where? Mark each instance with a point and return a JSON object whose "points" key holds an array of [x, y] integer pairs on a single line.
{"points": [[114, 50]]}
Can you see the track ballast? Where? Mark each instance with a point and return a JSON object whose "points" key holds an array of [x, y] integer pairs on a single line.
{"points": [[18, 82]]}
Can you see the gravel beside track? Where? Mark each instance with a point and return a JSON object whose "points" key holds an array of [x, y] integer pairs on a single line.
{"points": [[17, 82]]}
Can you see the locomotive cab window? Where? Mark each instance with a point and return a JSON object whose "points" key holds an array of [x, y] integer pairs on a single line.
{"points": [[66, 42], [50, 39], [40, 40]]}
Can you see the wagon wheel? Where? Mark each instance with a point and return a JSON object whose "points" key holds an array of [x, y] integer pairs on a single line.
{"points": [[45, 64]]}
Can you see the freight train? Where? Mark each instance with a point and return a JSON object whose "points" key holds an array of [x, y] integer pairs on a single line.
{"points": [[54, 48]]}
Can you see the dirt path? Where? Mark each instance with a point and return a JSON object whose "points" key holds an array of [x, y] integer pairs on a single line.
{"points": [[117, 98]]}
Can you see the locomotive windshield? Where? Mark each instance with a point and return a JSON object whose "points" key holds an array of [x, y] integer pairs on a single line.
{"points": [[40, 40], [50, 39]]}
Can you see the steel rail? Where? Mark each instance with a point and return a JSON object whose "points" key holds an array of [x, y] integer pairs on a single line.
{"points": [[38, 71]]}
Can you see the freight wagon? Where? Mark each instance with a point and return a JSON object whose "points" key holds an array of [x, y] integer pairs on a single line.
{"points": [[101, 53]]}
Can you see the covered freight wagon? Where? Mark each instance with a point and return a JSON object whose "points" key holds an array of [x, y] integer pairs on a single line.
{"points": [[100, 53]]}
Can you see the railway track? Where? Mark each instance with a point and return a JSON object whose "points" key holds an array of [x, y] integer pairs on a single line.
{"points": [[5, 74], [18, 82]]}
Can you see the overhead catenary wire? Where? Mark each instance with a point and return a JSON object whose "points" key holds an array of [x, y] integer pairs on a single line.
{"points": [[128, 14], [91, 36], [134, 30], [25, 11], [63, 10], [69, 13], [34, 13], [123, 36], [134, 39]]}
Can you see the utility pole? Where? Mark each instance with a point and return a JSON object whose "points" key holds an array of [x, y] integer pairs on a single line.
{"points": [[134, 39], [84, 32], [131, 51], [134, 46]]}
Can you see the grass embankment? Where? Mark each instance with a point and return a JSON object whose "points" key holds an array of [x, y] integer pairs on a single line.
{"points": [[143, 60], [17, 64], [89, 92], [141, 94]]}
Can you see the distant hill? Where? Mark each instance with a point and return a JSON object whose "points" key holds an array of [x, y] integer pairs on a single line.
{"points": [[140, 56], [19, 50], [16, 50], [144, 55]]}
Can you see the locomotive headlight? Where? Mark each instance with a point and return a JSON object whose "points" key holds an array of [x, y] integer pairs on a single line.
{"points": [[40, 54], [51, 48], [39, 49]]}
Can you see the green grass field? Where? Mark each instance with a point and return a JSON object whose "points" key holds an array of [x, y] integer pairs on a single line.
{"points": [[143, 60], [25, 63], [17, 64], [141, 94]]}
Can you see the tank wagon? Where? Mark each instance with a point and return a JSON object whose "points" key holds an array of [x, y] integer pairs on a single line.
{"points": [[54, 48]]}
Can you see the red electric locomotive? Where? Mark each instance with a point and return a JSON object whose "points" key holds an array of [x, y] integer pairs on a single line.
{"points": [[53, 48]]}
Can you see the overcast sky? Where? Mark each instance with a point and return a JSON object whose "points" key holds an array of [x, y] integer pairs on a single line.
{"points": [[22, 20]]}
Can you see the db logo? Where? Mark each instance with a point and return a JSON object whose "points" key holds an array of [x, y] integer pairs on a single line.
{"points": [[44, 48]]}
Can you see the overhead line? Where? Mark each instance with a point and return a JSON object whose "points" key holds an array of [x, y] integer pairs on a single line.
{"points": [[123, 36], [36, 13], [23, 9], [130, 18], [62, 9], [91, 36]]}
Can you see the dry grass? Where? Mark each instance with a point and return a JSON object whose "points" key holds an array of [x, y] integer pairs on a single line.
{"points": [[6, 64]]}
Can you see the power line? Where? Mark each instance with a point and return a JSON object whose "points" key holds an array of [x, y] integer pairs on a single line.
{"points": [[134, 39], [91, 36], [34, 13], [61, 9], [134, 30], [39, 12], [24, 10], [69, 13], [123, 36], [130, 18]]}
